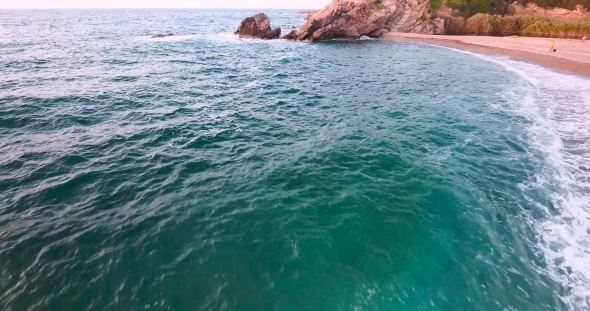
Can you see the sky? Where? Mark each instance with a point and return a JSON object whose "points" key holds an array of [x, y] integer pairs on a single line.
{"points": [[259, 4]]}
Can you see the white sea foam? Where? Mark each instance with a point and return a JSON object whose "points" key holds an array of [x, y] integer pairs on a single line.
{"points": [[228, 35], [367, 38], [500, 61], [558, 107], [236, 38]]}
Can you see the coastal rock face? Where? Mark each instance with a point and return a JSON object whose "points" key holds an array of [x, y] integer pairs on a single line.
{"points": [[348, 19], [257, 27], [420, 21]]}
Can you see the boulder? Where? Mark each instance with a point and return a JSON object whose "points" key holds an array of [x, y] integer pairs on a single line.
{"points": [[257, 27], [348, 19], [291, 35]]}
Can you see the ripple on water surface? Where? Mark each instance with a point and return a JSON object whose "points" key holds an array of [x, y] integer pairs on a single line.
{"points": [[209, 172]]}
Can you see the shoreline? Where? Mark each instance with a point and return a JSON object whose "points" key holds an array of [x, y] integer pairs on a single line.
{"points": [[572, 56]]}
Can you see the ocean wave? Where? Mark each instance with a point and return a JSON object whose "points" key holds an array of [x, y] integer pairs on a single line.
{"points": [[249, 165], [236, 38], [558, 106], [560, 110], [363, 38], [497, 60]]}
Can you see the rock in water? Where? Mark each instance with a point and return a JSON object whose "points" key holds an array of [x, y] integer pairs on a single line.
{"points": [[257, 27], [349, 19], [162, 36]]}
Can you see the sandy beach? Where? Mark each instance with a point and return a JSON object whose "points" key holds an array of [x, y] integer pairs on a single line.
{"points": [[572, 55]]}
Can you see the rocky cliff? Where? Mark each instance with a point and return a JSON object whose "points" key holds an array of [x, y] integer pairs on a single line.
{"points": [[352, 19], [421, 22], [348, 19]]}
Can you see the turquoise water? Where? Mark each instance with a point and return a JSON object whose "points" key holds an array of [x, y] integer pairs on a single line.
{"points": [[205, 172]]}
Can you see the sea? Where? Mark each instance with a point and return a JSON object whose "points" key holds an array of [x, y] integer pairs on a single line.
{"points": [[206, 172]]}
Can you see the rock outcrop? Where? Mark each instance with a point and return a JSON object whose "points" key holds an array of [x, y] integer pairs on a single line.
{"points": [[257, 27], [348, 19], [420, 21]]}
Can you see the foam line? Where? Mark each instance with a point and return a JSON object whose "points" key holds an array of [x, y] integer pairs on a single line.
{"points": [[558, 106]]}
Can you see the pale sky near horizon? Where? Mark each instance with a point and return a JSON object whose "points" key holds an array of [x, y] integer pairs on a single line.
{"points": [[258, 4]]}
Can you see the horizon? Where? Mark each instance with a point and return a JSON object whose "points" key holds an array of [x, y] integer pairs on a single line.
{"points": [[159, 4], [162, 8]]}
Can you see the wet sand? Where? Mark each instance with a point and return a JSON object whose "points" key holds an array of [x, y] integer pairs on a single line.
{"points": [[572, 56]]}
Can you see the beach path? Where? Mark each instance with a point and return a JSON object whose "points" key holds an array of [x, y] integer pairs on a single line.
{"points": [[403, 20]]}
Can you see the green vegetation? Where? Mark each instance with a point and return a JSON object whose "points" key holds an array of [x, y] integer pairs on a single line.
{"points": [[528, 25], [436, 4], [468, 8]]}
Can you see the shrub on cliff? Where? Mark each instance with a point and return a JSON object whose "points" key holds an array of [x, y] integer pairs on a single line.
{"points": [[541, 26], [453, 25], [480, 24], [468, 8], [530, 25]]}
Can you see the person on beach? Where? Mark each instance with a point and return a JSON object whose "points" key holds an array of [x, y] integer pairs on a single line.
{"points": [[552, 46]]}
